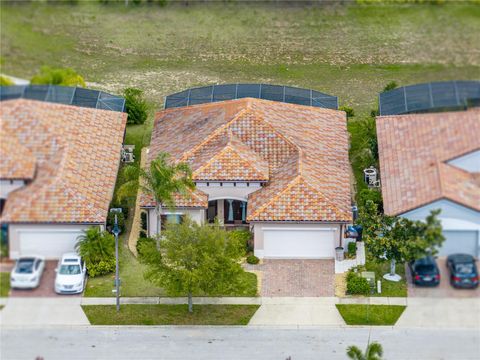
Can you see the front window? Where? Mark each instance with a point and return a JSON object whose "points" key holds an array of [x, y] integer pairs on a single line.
{"points": [[171, 219], [25, 266], [69, 270], [464, 268]]}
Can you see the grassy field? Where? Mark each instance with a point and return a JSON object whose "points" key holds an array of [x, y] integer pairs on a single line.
{"points": [[345, 50], [170, 314], [389, 288], [370, 314], [4, 284]]}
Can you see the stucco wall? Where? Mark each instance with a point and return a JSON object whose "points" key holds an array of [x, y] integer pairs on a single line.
{"points": [[7, 186], [197, 215], [228, 191], [258, 231]]}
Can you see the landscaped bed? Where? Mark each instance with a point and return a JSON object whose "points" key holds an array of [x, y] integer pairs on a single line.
{"points": [[370, 314], [4, 284], [389, 288], [170, 314]]}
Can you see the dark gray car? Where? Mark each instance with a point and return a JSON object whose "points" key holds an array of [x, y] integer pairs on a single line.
{"points": [[463, 271]]}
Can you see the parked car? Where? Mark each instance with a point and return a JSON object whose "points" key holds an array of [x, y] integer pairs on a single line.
{"points": [[463, 271], [425, 271], [71, 272], [27, 272]]}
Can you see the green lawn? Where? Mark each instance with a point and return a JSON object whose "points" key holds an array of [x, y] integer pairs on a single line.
{"points": [[170, 314], [389, 288], [349, 50], [4, 284], [133, 284], [370, 314]]}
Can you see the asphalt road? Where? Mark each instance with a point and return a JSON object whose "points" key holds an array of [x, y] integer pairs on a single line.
{"points": [[252, 343]]}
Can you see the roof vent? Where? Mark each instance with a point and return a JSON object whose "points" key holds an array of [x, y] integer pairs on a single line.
{"points": [[370, 176]]}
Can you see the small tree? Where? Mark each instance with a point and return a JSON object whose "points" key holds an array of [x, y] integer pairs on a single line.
{"points": [[374, 351], [135, 105], [398, 239], [195, 258], [58, 76], [162, 181], [97, 248]]}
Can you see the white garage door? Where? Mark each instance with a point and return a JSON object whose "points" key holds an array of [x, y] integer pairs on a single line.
{"points": [[465, 242], [299, 243], [49, 243]]}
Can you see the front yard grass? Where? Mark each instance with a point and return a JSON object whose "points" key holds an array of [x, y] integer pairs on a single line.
{"points": [[4, 284], [389, 288], [170, 314], [370, 314]]}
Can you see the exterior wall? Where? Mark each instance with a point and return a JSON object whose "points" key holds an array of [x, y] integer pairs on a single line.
{"points": [[259, 226], [469, 162], [453, 216], [197, 215], [14, 231], [7, 186], [228, 191]]}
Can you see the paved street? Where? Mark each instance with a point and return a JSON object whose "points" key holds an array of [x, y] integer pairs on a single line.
{"points": [[84, 343]]}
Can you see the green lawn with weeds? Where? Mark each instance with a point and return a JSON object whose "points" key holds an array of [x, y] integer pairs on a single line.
{"points": [[347, 50], [170, 314], [4, 284], [389, 288], [354, 314]]}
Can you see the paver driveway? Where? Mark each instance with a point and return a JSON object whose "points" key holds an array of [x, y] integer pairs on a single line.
{"points": [[443, 290], [306, 278]]}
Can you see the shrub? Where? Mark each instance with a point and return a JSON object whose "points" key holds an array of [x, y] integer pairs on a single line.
{"points": [[370, 194], [5, 81], [357, 285], [145, 245], [101, 268], [243, 236], [120, 221], [135, 105], [352, 249], [350, 112], [252, 259], [97, 248], [390, 86], [58, 76]]}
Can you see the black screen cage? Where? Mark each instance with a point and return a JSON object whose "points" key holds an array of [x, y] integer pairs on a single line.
{"points": [[430, 97], [286, 94], [64, 95]]}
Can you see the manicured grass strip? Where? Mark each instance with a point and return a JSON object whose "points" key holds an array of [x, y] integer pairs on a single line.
{"points": [[389, 288], [370, 314], [4, 284], [170, 314]]}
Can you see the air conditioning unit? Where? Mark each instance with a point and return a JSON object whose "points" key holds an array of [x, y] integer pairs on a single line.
{"points": [[370, 176], [127, 153]]}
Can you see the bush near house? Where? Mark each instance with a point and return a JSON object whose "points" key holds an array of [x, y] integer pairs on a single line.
{"points": [[252, 259], [97, 248], [352, 249], [243, 236], [348, 110], [357, 285], [135, 105], [145, 246]]}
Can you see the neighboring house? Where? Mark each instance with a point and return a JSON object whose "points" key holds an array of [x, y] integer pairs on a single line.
{"points": [[57, 172], [280, 169], [432, 161]]}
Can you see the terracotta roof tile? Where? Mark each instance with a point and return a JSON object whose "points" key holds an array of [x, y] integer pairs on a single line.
{"points": [[414, 152], [77, 154], [305, 150]]}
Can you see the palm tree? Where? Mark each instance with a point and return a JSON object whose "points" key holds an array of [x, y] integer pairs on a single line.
{"points": [[95, 245], [374, 351], [162, 181]]}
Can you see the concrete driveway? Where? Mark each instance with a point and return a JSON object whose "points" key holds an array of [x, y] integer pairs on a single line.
{"points": [[43, 311], [443, 290], [296, 311]]}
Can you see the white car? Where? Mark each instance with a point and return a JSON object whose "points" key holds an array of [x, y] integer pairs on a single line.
{"points": [[27, 272], [71, 272]]}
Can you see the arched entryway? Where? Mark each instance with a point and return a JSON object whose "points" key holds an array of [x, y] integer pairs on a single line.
{"points": [[228, 211]]}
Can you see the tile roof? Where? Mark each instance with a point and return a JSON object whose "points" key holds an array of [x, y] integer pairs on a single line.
{"points": [[17, 162], [414, 155], [77, 154], [301, 151]]}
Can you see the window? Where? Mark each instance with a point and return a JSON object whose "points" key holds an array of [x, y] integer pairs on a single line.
{"points": [[171, 219], [69, 270]]}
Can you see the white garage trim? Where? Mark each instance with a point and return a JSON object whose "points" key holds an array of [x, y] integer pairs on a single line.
{"points": [[299, 243]]}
